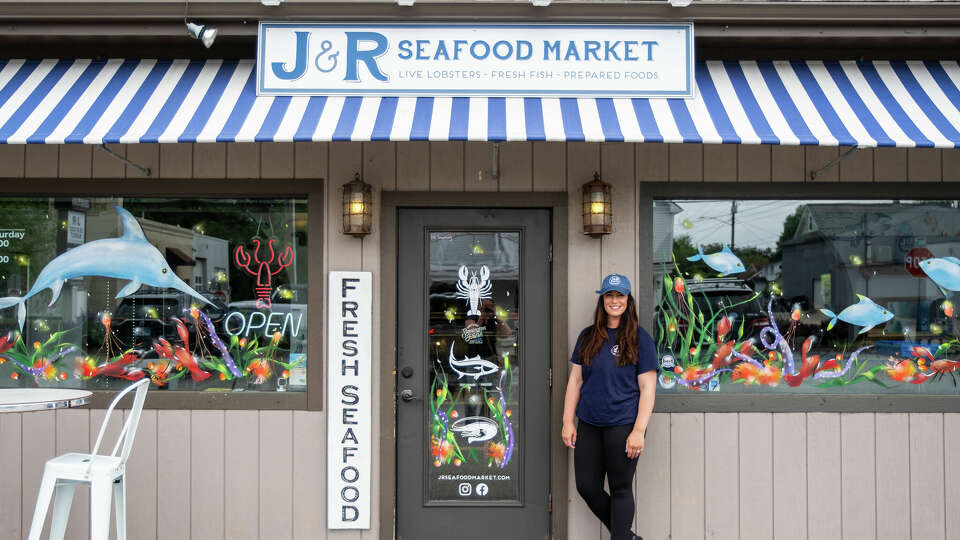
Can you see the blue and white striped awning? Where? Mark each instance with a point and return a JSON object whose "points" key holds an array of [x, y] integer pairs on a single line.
{"points": [[865, 104]]}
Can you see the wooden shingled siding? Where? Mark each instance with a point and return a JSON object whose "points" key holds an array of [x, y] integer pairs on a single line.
{"points": [[209, 474]]}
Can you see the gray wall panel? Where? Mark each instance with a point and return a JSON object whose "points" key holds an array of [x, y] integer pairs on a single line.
{"points": [[756, 476], [686, 476], [790, 476], [858, 465], [927, 504], [722, 476], [893, 475], [823, 476]]}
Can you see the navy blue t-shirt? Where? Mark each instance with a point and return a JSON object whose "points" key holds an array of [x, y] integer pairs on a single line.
{"points": [[610, 395]]}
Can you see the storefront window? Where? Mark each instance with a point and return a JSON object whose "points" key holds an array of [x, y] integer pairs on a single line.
{"points": [[807, 296], [195, 294]]}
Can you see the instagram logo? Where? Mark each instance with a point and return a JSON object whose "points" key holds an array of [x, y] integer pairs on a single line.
{"points": [[465, 489]]}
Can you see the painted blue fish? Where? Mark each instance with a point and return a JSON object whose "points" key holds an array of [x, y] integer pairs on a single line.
{"points": [[944, 271], [865, 313], [723, 261], [130, 257]]}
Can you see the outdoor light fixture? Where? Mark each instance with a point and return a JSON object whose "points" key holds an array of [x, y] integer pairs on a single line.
{"points": [[357, 207], [204, 33], [271, 2], [405, 2], [597, 207], [540, 3], [679, 3]]}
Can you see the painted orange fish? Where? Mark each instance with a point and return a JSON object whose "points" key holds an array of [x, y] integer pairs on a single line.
{"points": [[724, 355], [902, 371], [769, 375], [260, 369], [496, 452], [746, 372], [442, 450]]}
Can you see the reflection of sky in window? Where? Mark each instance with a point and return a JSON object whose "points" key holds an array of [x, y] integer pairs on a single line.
{"points": [[758, 223]]}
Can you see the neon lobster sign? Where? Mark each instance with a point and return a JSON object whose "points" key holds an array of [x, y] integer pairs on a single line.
{"points": [[263, 269]]}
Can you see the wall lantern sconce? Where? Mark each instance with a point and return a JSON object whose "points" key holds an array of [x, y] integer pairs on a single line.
{"points": [[597, 207], [357, 207]]}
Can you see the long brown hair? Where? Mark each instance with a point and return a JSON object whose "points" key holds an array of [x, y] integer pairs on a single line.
{"points": [[626, 336]]}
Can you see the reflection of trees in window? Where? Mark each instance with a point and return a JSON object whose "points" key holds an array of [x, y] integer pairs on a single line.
{"points": [[753, 257], [38, 220], [238, 222]]}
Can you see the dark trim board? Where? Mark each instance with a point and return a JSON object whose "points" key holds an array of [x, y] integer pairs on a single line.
{"points": [[798, 190], [312, 190], [391, 201], [783, 13]]}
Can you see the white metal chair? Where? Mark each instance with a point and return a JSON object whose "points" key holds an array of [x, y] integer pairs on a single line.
{"points": [[62, 474]]}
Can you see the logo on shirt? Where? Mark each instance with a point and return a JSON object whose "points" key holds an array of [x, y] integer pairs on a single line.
{"points": [[615, 350]]}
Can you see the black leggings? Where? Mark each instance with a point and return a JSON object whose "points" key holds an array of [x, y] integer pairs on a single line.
{"points": [[601, 451]]}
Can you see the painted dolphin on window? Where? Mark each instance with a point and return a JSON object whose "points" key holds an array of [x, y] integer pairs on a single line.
{"points": [[475, 428], [865, 313], [944, 271], [130, 256], [472, 366], [723, 261]]}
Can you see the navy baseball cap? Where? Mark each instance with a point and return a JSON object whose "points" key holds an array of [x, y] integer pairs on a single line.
{"points": [[615, 282]]}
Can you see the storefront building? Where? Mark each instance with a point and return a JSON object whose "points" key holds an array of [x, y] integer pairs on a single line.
{"points": [[357, 303]]}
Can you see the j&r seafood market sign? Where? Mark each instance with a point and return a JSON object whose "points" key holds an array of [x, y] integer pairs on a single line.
{"points": [[349, 410], [616, 60]]}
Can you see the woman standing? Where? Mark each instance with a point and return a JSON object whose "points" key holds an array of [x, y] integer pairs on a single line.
{"points": [[611, 389]]}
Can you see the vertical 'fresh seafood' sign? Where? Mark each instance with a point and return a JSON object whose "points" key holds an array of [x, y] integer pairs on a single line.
{"points": [[349, 402]]}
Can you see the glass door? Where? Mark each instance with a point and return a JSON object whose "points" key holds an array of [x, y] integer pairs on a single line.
{"points": [[473, 312]]}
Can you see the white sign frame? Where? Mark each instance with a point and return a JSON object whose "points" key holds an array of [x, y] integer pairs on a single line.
{"points": [[444, 59], [76, 227], [349, 397]]}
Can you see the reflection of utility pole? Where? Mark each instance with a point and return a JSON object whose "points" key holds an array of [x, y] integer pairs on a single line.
{"points": [[733, 222], [866, 256]]}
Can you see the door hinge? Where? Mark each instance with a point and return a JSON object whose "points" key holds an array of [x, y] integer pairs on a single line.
{"points": [[550, 377], [549, 503], [550, 253]]}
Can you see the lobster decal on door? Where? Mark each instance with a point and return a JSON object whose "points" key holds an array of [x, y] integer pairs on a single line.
{"points": [[473, 288]]}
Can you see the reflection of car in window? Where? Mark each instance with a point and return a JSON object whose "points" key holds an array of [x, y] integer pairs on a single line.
{"points": [[733, 297], [142, 318], [287, 314]]}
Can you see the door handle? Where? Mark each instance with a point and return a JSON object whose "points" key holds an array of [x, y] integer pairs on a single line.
{"points": [[406, 394]]}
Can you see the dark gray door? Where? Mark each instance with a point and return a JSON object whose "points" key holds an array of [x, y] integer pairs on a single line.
{"points": [[473, 341]]}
